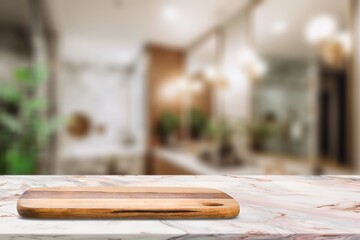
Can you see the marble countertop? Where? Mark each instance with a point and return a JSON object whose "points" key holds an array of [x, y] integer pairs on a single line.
{"points": [[272, 207], [259, 164]]}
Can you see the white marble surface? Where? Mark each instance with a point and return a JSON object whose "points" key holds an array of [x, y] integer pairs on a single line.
{"points": [[255, 164], [258, 165], [272, 207]]}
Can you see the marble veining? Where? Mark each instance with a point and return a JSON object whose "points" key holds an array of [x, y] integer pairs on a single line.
{"points": [[272, 207]]}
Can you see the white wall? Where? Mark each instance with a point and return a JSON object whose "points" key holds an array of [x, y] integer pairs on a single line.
{"points": [[237, 97], [92, 80], [202, 55], [234, 102]]}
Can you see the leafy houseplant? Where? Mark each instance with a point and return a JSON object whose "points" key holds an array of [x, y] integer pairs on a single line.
{"points": [[167, 126], [23, 129], [225, 134], [198, 123], [260, 132], [222, 133]]}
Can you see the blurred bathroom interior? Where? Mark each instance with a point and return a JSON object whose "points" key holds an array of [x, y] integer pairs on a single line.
{"points": [[177, 87]]}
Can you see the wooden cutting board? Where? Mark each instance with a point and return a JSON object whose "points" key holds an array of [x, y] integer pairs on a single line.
{"points": [[126, 202]]}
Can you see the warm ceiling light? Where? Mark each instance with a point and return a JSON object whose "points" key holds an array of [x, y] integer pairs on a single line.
{"points": [[196, 86], [247, 56], [182, 84], [279, 27], [210, 73], [170, 13], [260, 68], [251, 62], [168, 91], [344, 39], [320, 28]]}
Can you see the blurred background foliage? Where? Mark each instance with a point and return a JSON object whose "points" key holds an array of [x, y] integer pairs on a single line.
{"points": [[167, 126], [198, 123], [24, 127]]}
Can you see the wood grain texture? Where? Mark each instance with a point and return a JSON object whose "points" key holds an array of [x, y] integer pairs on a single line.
{"points": [[162, 167], [165, 66], [126, 202]]}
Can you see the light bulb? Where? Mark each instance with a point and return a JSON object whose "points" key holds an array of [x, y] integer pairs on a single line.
{"points": [[247, 56], [170, 13], [345, 41], [182, 84], [210, 73], [279, 27], [320, 28], [196, 86], [260, 68]]}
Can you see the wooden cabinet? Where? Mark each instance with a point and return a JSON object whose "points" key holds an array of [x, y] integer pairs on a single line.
{"points": [[162, 167]]}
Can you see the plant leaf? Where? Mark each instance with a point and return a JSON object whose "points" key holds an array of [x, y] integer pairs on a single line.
{"points": [[9, 93], [34, 105], [31, 76], [10, 122]]}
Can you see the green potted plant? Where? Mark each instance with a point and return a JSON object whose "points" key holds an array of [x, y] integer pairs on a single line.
{"points": [[167, 126], [23, 131], [221, 132], [198, 123], [225, 134], [260, 132]]}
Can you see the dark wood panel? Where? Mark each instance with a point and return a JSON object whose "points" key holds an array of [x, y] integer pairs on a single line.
{"points": [[162, 167], [166, 66]]}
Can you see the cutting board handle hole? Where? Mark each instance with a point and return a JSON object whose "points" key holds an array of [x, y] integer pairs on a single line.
{"points": [[213, 204]]}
